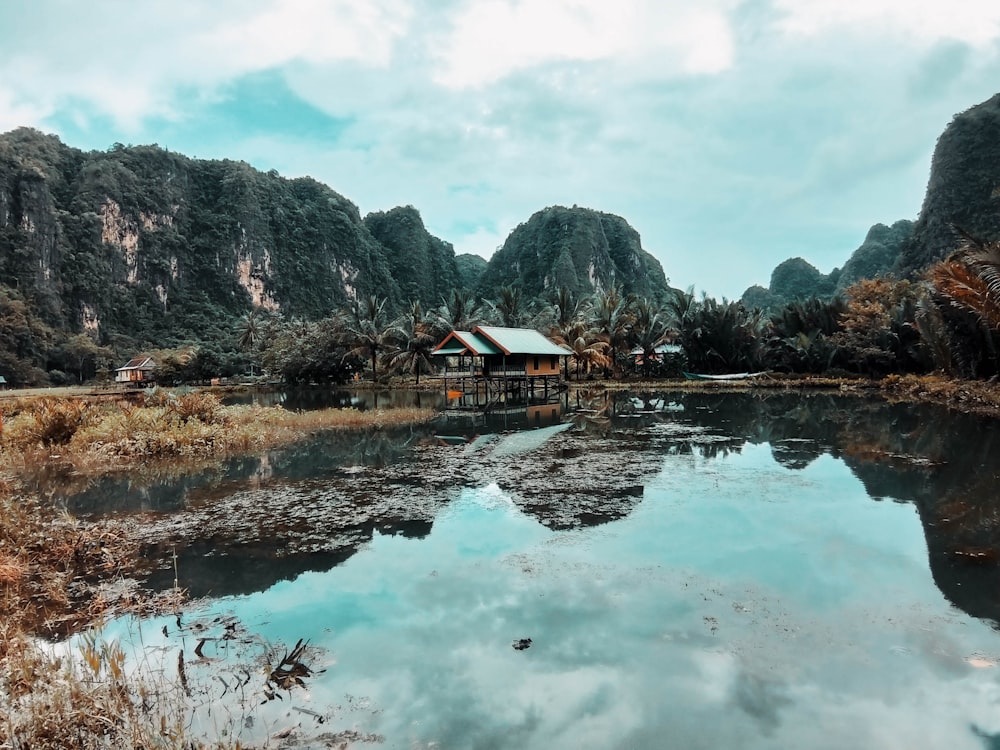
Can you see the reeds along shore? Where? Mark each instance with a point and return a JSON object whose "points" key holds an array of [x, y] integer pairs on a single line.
{"points": [[52, 566]]}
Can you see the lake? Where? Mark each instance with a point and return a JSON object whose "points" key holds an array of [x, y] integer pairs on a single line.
{"points": [[612, 570]]}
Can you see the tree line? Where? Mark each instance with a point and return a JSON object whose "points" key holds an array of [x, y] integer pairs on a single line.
{"points": [[946, 321]]}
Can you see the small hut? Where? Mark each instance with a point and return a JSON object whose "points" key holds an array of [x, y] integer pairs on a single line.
{"points": [[137, 371]]}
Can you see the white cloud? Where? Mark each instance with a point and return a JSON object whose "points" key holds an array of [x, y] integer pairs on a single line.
{"points": [[138, 60], [974, 22], [490, 40]]}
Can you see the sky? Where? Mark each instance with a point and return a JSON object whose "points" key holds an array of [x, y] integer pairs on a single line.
{"points": [[731, 134]]}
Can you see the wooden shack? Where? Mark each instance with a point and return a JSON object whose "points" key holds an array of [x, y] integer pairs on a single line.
{"points": [[138, 371], [491, 363]]}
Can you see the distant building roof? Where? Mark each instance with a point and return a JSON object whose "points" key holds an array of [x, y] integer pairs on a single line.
{"points": [[464, 342], [662, 349], [495, 340]]}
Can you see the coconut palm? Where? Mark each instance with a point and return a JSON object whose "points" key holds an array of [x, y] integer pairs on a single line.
{"points": [[413, 342], [588, 348], [511, 307], [462, 311], [611, 315], [366, 329], [650, 328]]}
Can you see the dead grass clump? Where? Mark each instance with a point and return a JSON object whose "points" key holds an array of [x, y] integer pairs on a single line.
{"points": [[47, 422]]}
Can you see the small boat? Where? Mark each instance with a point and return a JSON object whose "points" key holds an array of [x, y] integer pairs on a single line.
{"points": [[727, 376]]}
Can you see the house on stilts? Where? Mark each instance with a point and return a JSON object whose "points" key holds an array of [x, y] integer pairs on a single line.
{"points": [[490, 365]]}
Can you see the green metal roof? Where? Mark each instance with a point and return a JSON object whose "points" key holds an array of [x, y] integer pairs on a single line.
{"points": [[521, 341], [497, 340], [465, 342]]}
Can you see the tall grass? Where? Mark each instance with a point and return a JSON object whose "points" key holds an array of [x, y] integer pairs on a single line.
{"points": [[101, 436], [52, 565]]}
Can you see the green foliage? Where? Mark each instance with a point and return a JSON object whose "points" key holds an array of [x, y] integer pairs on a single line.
{"points": [[961, 191], [877, 255], [878, 332], [799, 336], [577, 248], [411, 342], [299, 351], [796, 279], [423, 266], [717, 337], [470, 270]]}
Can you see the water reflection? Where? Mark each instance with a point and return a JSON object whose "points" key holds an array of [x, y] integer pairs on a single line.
{"points": [[584, 460]]}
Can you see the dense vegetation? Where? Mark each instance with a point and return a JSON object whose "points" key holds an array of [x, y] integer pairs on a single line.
{"points": [[962, 189], [577, 249], [218, 269], [104, 254]]}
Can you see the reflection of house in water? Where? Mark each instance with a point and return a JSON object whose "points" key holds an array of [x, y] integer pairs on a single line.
{"points": [[490, 365], [464, 422]]}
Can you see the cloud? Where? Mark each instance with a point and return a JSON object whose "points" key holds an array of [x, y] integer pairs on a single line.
{"points": [[490, 40], [731, 134], [975, 23], [135, 61]]}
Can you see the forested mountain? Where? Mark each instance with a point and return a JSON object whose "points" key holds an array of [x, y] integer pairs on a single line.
{"points": [[138, 248], [423, 266], [579, 249], [963, 192], [470, 270], [141, 244], [877, 255], [963, 189], [797, 279]]}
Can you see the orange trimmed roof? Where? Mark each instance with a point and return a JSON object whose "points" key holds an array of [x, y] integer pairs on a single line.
{"points": [[485, 340]]}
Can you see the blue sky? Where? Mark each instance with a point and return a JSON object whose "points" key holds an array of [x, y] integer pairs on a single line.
{"points": [[731, 134]]}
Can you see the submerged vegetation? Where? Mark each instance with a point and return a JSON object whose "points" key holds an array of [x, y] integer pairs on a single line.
{"points": [[59, 573]]}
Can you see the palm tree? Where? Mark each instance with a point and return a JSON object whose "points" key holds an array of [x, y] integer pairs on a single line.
{"points": [[463, 311], [366, 329], [413, 342], [966, 291], [249, 339], [716, 336], [650, 328], [612, 316], [587, 346], [510, 307]]}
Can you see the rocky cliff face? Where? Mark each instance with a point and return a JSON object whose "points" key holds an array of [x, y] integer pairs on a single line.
{"points": [[583, 250], [963, 189], [157, 247]]}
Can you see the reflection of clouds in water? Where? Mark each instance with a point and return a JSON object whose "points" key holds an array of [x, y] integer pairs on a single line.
{"points": [[746, 606], [761, 699]]}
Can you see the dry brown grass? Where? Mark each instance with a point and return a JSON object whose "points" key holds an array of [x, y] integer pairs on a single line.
{"points": [[99, 436], [52, 565]]}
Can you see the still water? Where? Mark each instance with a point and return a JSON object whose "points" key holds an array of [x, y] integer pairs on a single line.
{"points": [[692, 570]]}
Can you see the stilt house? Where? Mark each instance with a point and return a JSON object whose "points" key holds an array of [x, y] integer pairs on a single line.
{"points": [[501, 361]]}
